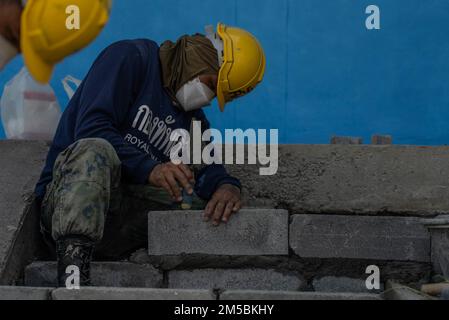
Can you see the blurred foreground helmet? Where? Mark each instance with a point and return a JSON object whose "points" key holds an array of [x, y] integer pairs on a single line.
{"points": [[45, 37], [242, 61]]}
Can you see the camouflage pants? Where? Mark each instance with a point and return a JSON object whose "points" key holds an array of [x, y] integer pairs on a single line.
{"points": [[86, 198]]}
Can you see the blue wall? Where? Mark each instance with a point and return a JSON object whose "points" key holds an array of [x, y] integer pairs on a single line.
{"points": [[326, 73]]}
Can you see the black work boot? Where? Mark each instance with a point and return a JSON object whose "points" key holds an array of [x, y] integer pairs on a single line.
{"points": [[74, 252]]}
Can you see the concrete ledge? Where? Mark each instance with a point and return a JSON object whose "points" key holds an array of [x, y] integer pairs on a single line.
{"points": [[24, 293], [131, 294], [329, 179], [273, 295], [250, 233], [104, 274], [341, 285], [371, 238], [250, 279], [20, 166]]}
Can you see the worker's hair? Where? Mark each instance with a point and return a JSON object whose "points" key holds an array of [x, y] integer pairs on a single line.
{"points": [[2, 2]]}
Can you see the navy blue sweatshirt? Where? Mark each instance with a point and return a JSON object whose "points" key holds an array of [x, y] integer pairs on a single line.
{"points": [[122, 100]]}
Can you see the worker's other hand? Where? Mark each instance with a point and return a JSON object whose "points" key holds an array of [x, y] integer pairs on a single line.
{"points": [[225, 202], [173, 178]]}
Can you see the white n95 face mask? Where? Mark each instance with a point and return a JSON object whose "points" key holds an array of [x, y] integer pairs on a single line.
{"points": [[194, 95], [7, 52]]}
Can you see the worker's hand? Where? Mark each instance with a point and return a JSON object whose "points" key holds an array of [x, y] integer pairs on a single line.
{"points": [[173, 178], [225, 202]]}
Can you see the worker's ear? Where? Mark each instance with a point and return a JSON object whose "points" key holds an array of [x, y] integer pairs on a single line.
{"points": [[210, 80]]}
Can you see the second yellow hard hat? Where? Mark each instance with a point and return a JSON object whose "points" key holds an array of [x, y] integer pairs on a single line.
{"points": [[45, 37]]}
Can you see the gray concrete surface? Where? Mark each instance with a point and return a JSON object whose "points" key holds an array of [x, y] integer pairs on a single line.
{"points": [[24, 293], [251, 233], [131, 294], [20, 167], [242, 279], [343, 284], [372, 238], [104, 274], [308, 296], [320, 179]]}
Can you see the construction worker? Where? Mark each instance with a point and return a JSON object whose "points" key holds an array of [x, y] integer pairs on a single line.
{"points": [[109, 164], [40, 29]]}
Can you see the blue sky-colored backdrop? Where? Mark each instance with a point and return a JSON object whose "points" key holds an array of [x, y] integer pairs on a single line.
{"points": [[326, 73]]}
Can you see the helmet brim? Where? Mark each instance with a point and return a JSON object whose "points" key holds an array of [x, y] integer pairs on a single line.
{"points": [[220, 94], [221, 98], [38, 68]]}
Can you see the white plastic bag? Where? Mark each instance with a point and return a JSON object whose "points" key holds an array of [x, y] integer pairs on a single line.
{"points": [[66, 84], [29, 110]]}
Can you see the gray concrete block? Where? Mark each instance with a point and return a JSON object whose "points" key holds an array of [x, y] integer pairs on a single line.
{"points": [[243, 279], [380, 140], [24, 293], [372, 238], [103, 274], [329, 179], [250, 233], [21, 163], [440, 250], [93, 293], [308, 296], [342, 284], [346, 140]]}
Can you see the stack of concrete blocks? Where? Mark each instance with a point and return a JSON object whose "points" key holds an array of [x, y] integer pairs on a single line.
{"points": [[251, 234], [268, 250], [265, 252]]}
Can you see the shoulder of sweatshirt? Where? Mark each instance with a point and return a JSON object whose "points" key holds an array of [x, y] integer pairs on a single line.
{"points": [[141, 48], [199, 115]]}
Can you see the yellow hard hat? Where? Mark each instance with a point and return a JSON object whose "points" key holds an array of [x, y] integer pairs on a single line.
{"points": [[45, 38], [243, 64]]}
